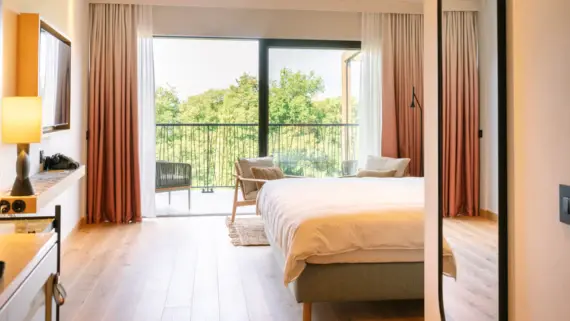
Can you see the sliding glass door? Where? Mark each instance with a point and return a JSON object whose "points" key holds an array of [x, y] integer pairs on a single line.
{"points": [[207, 113], [207, 105], [312, 107], [218, 100]]}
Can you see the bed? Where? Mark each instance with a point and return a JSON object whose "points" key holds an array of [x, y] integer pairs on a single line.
{"points": [[350, 239]]}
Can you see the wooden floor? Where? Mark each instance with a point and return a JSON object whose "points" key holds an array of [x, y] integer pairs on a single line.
{"points": [[186, 269], [473, 296]]}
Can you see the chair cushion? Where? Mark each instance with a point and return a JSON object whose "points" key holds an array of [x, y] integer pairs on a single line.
{"points": [[378, 163], [373, 173], [266, 173], [246, 164]]}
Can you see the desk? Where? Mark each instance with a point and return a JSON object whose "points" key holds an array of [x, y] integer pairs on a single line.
{"points": [[25, 289]]}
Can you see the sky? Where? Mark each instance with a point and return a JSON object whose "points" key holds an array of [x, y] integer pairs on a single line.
{"points": [[193, 66]]}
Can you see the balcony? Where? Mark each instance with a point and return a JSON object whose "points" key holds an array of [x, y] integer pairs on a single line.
{"points": [[312, 150]]}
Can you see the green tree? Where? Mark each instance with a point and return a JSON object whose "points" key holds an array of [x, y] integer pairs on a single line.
{"points": [[206, 108], [241, 101], [167, 105], [293, 99]]}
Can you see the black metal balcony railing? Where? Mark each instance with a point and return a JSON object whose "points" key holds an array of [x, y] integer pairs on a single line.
{"points": [[314, 150]]}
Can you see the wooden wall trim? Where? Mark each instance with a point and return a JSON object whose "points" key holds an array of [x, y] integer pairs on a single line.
{"points": [[28, 60]]}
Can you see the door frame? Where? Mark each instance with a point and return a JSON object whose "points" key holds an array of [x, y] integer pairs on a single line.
{"points": [[502, 165]]}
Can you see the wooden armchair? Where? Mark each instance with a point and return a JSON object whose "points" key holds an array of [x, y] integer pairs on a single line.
{"points": [[249, 198]]}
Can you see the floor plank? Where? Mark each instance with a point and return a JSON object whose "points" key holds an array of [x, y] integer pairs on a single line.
{"points": [[232, 301], [205, 300], [176, 314]]}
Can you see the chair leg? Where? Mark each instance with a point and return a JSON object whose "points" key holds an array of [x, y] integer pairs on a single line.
{"points": [[234, 209], [307, 311], [189, 197], [169, 198]]}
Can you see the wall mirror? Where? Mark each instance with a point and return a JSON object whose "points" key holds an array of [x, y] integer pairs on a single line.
{"points": [[472, 163], [54, 78]]}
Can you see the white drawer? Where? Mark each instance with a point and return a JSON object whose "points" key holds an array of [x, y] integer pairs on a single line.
{"points": [[29, 302]]}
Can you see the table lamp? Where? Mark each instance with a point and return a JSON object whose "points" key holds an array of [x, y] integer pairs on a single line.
{"points": [[22, 125]]}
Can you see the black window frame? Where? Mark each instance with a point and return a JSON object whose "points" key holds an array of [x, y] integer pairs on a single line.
{"points": [[264, 46]]}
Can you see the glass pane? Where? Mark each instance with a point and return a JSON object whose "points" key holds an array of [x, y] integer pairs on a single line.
{"points": [[313, 102], [206, 107]]}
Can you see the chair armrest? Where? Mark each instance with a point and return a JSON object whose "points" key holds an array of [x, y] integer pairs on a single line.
{"points": [[254, 180]]}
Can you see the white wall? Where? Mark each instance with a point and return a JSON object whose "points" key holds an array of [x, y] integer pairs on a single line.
{"points": [[277, 19], [256, 23], [489, 100], [69, 17], [539, 158], [431, 160]]}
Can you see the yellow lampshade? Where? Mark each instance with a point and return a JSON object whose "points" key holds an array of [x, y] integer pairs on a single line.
{"points": [[21, 120]]}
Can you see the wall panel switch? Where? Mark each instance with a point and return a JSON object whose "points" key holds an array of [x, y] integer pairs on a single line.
{"points": [[564, 198]]}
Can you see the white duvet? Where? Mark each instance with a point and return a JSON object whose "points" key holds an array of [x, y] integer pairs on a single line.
{"points": [[322, 217]]}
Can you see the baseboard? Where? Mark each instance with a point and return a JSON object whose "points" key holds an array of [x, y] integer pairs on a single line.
{"points": [[489, 215]]}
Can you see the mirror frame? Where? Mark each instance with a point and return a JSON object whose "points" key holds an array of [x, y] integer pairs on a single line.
{"points": [[503, 230]]}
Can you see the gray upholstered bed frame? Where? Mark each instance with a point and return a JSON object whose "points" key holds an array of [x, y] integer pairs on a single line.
{"points": [[354, 282], [358, 282]]}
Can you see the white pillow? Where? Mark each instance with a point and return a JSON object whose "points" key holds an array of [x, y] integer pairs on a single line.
{"points": [[378, 163]]}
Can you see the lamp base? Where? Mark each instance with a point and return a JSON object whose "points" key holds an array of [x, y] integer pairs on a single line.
{"points": [[22, 185]]}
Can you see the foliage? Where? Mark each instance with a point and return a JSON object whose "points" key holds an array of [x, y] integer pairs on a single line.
{"points": [[167, 105], [308, 150]]}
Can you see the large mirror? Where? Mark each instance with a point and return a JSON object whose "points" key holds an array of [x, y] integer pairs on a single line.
{"points": [[54, 79], [472, 138]]}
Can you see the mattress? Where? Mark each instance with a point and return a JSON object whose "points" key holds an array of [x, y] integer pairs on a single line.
{"points": [[349, 220], [316, 219]]}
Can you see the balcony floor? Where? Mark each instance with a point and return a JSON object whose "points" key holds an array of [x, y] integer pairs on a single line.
{"points": [[218, 203]]}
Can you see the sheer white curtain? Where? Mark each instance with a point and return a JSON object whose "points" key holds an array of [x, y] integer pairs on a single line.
{"points": [[147, 138], [48, 79], [370, 107]]}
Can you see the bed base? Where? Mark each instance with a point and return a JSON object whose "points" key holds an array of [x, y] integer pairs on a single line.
{"points": [[358, 282]]}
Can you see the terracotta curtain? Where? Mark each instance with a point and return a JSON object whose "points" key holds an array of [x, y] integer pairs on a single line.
{"points": [[113, 177], [460, 115], [402, 48]]}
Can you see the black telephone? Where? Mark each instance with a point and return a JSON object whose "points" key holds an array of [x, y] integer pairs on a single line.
{"points": [[59, 162]]}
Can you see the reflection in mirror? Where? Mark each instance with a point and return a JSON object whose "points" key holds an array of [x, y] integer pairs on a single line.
{"points": [[469, 164]]}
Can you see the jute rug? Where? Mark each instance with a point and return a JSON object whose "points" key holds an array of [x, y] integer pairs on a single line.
{"points": [[247, 231]]}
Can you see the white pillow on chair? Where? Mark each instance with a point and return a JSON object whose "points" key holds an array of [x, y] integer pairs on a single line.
{"points": [[379, 163]]}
